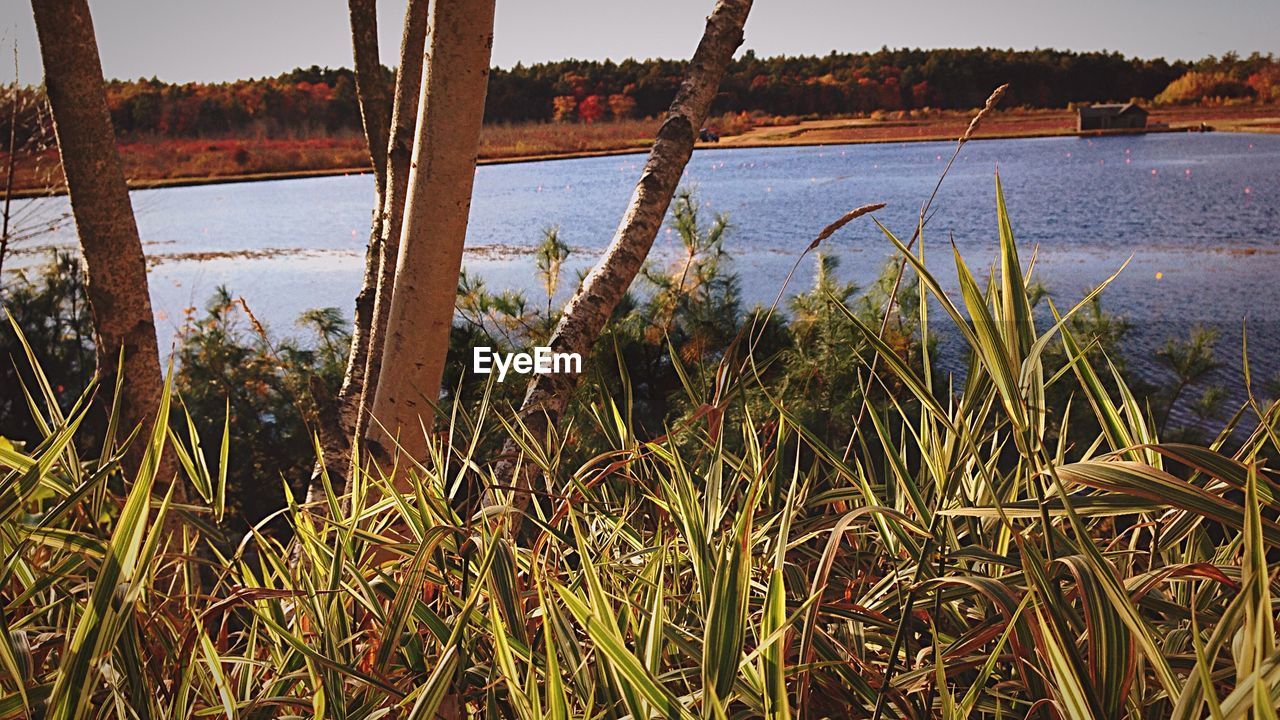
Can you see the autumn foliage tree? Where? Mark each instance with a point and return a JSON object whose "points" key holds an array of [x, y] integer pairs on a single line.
{"points": [[566, 108], [592, 108], [1266, 83], [621, 106], [1197, 86]]}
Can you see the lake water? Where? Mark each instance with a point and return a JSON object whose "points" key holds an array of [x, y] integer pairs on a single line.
{"points": [[1199, 214]]}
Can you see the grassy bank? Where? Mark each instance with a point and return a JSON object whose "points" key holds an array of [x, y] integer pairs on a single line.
{"points": [[168, 162]]}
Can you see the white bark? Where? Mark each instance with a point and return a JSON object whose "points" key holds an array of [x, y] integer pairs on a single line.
{"points": [[435, 227], [404, 117], [390, 140], [586, 314]]}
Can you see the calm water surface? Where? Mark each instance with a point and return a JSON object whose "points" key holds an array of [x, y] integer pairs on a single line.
{"points": [[1199, 214]]}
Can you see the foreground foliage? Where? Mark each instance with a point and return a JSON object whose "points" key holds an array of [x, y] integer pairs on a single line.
{"points": [[963, 553]]}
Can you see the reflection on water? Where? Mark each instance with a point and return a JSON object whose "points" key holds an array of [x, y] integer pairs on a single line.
{"points": [[1200, 215]]}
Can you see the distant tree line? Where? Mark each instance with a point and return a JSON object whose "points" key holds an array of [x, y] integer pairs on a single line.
{"points": [[1230, 78], [315, 101], [831, 84]]}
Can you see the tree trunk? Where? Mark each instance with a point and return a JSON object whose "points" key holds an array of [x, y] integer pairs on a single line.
{"points": [[404, 117], [390, 165], [371, 86], [586, 314], [117, 269], [435, 227], [335, 430]]}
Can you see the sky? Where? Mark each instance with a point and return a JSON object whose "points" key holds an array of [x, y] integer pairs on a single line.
{"points": [[217, 40]]}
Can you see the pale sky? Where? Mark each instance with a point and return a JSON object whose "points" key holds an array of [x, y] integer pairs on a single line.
{"points": [[214, 40]]}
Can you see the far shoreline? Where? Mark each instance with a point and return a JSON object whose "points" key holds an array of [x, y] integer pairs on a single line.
{"points": [[838, 133]]}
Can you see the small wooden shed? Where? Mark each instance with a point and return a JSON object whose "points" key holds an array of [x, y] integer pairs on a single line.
{"points": [[1114, 116]]}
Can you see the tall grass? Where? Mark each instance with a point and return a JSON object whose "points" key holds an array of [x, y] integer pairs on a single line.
{"points": [[967, 558]]}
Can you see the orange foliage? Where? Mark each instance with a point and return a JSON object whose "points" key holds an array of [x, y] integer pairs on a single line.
{"points": [[622, 106], [1196, 86], [565, 107], [1266, 83]]}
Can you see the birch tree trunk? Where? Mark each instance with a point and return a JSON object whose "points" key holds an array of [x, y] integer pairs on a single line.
{"points": [[587, 312], [336, 420], [117, 269], [390, 145], [404, 117], [371, 86], [435, 226]]}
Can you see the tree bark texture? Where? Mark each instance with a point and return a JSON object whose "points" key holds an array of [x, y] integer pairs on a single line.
{"points": [[335, 431], [585, 316], [389, 150], [404, 117], [371, 85], [116, 267], [435, 225]]}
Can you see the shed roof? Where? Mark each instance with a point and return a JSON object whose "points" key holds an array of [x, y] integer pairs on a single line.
{"points": [[1109, 109]]}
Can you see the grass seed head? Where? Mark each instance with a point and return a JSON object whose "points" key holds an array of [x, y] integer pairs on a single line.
{"points": [[992, 101], [847, 218]]}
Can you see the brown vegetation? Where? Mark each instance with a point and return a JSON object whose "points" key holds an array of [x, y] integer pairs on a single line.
{"points": [[944, 125], [157, 161]]}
